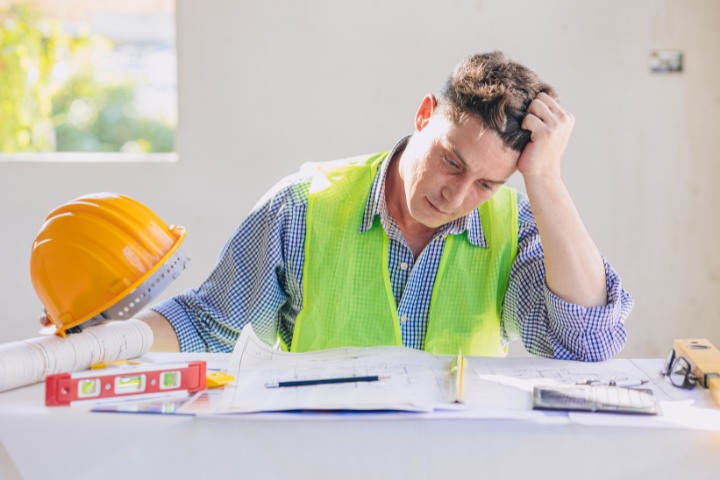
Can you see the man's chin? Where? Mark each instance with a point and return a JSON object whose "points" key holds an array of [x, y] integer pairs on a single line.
{"points": [[432, 221], [433, 217]]}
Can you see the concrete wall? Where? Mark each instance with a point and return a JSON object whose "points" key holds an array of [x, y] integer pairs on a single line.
{"points": [[265, 86]]}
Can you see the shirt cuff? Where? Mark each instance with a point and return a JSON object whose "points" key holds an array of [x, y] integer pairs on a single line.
{"points": [[592, 333]]}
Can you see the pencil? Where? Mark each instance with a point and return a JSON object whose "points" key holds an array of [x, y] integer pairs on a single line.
{"points": [[457, 368], [322, 381]]}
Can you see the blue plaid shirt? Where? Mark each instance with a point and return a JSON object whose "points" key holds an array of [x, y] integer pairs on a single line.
{"points": [[258, 279]]}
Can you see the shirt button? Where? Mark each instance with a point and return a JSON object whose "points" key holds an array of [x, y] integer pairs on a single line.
{"points": [[403, 266], [403, 319]]}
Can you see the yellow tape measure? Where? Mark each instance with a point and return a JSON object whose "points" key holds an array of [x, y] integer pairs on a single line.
{"points": [[704, 359]]}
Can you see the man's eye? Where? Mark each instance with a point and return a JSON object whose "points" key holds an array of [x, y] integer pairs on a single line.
{"points": [[486, 186], [450, 162]]}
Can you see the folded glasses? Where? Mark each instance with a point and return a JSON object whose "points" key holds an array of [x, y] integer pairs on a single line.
{"points": [[678, 370]]}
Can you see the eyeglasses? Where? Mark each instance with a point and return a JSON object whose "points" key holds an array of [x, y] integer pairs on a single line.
{"points": [[678, 371]]}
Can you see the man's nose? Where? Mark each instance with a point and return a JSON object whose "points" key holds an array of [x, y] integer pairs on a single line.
{"points": [[455, 193]]}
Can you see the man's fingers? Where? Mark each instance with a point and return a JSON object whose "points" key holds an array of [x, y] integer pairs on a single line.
{"points": [[549, 112], [44, 320], [552, 103], [534, 124], [544, 111]]}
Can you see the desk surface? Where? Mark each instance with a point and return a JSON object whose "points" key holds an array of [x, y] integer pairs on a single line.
{"points": [[71, 442]]}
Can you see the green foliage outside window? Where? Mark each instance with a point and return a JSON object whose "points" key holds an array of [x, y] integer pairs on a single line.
{"points": [[39, 113]]}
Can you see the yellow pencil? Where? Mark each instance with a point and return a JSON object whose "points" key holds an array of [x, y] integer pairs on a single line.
{"points": [[457, 368]]}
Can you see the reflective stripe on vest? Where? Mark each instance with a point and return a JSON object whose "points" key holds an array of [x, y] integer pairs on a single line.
{"points": [[347, 296]]}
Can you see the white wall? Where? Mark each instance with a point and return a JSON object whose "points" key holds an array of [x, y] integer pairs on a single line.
{"points": [[265, 86]]}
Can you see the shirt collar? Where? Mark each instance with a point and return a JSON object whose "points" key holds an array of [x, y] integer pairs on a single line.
{"points": [[377, 206]]}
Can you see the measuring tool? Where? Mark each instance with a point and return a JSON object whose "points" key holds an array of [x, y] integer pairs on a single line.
{"points": [[136, 382], [704, 359]]}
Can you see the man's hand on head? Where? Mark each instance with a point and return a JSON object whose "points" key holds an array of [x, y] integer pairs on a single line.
{"points": [[550, 126]]}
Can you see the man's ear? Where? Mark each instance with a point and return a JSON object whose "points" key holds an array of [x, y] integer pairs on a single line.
{"points": [[425, 111]]}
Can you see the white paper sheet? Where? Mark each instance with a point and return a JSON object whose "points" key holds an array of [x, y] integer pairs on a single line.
{"points": [[415, 380], [507, 383], [418, 381]]}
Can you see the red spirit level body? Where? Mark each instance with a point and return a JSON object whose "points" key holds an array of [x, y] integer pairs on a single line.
{"points": [[129, 383]]}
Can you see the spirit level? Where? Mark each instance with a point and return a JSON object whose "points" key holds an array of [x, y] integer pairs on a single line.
{"points": [[705, 361], [129, 383]]}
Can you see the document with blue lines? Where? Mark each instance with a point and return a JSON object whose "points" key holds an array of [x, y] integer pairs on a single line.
{"points": [[407, 380]]}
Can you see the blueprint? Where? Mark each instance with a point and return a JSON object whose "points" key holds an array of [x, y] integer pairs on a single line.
{"points": [[411, 380]]}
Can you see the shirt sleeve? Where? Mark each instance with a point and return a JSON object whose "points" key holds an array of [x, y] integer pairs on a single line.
{"points": [[548, 325], [249, 281]]}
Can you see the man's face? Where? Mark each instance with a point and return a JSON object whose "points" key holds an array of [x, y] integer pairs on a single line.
{"points": [[448, 169]]}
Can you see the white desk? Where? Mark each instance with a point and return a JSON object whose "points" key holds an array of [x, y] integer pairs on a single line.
{"points": [[69, 442]]}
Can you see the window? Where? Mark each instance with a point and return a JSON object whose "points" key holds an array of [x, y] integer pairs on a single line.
{"points": [[88, 80]]}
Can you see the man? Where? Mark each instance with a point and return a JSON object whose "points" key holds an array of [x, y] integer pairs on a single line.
{"points": [[422, 246]]}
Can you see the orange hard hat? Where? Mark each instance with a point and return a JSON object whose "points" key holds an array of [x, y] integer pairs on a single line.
{"points": [[102, 256]]}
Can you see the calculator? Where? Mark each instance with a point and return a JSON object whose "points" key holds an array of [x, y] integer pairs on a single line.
{"points": [[595, 398]]}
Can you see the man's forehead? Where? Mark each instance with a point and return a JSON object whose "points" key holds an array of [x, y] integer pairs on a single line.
{"points": [[470, 133], [472, 124], [480, 150]]}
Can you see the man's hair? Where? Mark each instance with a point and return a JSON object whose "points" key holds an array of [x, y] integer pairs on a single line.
{"points": [[495, 89]]}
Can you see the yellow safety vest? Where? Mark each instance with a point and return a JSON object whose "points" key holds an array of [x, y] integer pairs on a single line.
{"points": [[347, 297]]}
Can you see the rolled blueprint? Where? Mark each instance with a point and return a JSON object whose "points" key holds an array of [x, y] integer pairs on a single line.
{"points": [[30, 361]]}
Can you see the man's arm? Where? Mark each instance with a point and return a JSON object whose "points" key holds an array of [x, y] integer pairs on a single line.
{"points": [[164, 336], [574, 268], [254, 280], [548, 325], [563, 299]]}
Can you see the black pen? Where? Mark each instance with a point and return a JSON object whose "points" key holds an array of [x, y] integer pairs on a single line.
{"points": [[322, 381]]}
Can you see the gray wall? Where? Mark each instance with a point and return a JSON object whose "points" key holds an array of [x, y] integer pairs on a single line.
{"points": [[265, 86]]}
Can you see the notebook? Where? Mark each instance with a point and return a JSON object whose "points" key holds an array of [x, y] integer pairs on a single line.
{"points": [[595, 398]]}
